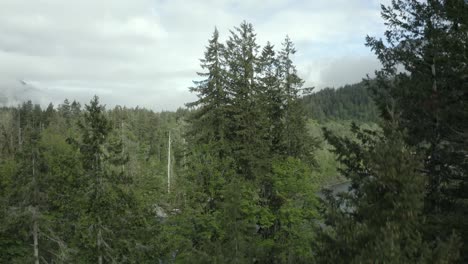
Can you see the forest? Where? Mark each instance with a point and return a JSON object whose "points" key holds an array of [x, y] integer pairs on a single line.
{"points": [[244, 173]]}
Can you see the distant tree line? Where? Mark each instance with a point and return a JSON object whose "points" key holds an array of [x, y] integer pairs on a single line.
{"points": [[349, 102], [80, 185]]}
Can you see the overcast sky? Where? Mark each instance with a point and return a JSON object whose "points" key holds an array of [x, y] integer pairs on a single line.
{"points": [[146, 52]]}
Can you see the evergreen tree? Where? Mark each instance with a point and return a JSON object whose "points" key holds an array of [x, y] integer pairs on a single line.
{"points": [[209, 121], [106, 199], [296, 142], [247, 191], [288, 214], [75, 109], [66, 211], [429, 41], [271, 97], [48, 115], [247, 127], [27, 200], [65, 110], [64, 178], [381, 218], [355, 101], [284, 215]]}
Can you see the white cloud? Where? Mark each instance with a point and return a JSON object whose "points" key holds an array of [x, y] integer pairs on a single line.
{"points": [[347, 70], [145, 52]]}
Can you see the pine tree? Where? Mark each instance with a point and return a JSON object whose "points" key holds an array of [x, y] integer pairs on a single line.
{"points": [[106, 200], [64, 178], [429, 40], [247, 127], [286, 195], [356, 99], [381, 218], [248, 190], [75, 109], [295, 141], [209, 121], [65, 110], [28, 187], [288, 213], [271, 97]]}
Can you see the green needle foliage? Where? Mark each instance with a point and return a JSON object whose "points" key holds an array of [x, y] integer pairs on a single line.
{"points": [[381, 219], [250, 156], [423, 86]]}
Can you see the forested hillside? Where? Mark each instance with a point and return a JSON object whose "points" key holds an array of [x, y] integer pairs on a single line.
{"points": [[237, 175], [350, 102]]}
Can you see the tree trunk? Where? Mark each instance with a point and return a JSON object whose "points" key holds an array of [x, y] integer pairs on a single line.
{"points": [[34, 214], [169, 164], [99, 241], [433, 71], [19, 129], [35, 237], [122, 141]]}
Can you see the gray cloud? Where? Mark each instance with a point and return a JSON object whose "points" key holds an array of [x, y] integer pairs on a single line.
{"points": [[347, 70], [146, 52]]}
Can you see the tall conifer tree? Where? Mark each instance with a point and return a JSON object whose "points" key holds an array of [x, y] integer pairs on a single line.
{"points": [[247, 126], [381, 218], [209, 121], [107, 201], [429, 40]]}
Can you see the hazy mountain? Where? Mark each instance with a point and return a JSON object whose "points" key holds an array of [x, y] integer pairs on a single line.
{"points": [[15, 92]]}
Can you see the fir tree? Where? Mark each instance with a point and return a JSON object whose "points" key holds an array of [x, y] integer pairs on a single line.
{"points": [[295, 141], [28, 187], [271, 97], [244, 196], [247, 127], [209, 121], [428, 40], [381, 218], [106, 200]]}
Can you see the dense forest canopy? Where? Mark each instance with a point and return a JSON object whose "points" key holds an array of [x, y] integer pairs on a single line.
{"points": [[350, 102], [239, 175]]}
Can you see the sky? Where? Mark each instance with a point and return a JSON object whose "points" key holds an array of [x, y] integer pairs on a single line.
{"points": [[146, 52]]}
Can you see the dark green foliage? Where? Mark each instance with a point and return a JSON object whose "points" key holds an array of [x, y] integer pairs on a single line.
{"points": [[381, 218], [209, 121], [27, 200], [428, 99], [246, 128], [350, 102], [269, 82], [65, 207], [107, 199], [295, 139], [287, 220], [250, 157]]}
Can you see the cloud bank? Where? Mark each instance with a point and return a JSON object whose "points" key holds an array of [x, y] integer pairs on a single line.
{"points": [[146, 53]]}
